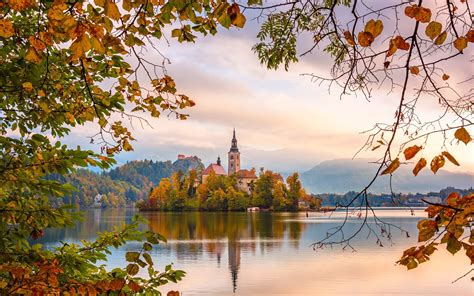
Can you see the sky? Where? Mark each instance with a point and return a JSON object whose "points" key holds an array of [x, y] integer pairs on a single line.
{"points": [[283, 120]]}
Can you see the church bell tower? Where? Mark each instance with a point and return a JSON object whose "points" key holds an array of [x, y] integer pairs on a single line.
{"points": [[233, 157]]}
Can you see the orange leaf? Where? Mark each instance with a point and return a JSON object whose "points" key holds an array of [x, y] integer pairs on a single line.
{"points": [[470, 36], [349, 38], [414, 70], [453, 198], [6, 28], [111, 10], [462, 135], [410, 152], [411, 11], [419, 166], [392, 167], [401, 43], [436, 163], [37, 44], [365, 39], [460, 43], [134, 286], [27, 86], [450, 157], [423, 15], [397, 43]]}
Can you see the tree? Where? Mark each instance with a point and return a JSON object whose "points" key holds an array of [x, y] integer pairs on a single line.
{"points": [[409, 49], [280, 201], [295, 191], [263, 190], [69, 63]]}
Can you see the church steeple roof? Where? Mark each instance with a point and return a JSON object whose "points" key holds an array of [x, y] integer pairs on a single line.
{"points": [[233, 147]]}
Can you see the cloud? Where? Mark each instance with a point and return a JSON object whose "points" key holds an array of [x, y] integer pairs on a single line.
{"points": [[283, 120]]}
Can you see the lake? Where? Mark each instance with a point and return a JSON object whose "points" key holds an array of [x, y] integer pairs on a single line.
{"points": [[270, 254]]}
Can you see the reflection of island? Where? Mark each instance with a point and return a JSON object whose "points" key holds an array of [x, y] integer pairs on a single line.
{"points": [[194, 234]]}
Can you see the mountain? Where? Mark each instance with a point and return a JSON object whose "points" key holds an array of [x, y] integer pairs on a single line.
{"points": [[343, 175]]}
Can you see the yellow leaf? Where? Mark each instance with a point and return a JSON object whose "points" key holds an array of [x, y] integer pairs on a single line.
{"points": [[100, 3], [97, 45], [450, 157], [349, 38], [41, 93], [410, 152], [27, 86], [433, 30], [441, 38], [365, 39], [414, 70], [460, 43], [126, 146], [419, 166], [111, 10], [462, 135], [436, 163], [33, 56], [127, 5], [6, 28], [392, 167], [445, 76], [374, 27]]}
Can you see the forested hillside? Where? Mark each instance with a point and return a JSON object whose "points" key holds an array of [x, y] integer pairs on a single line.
{"points": [[127, 183]]}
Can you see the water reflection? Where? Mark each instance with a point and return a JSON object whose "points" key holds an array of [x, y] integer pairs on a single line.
{"points": [[269, 253], [201, 233]]}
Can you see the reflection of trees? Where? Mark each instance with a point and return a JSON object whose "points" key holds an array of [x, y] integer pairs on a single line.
{"points": [[212, 231], [195, 234], [94, 221]]}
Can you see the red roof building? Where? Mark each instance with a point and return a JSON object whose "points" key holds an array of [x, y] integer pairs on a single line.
{"points": [[214, 167], [217, 168]]}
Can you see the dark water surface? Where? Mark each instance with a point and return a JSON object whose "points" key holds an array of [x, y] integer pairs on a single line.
{"points": [[270, 254]]}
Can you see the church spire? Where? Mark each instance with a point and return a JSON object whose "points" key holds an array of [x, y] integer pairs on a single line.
{"points": [[233, 156], [234, 147]]}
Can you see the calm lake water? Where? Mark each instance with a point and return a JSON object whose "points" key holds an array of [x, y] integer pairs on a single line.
{"points": [[270, 254]]}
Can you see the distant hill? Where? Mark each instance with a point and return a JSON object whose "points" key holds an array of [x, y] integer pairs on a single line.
{"points": [[128, 182], [141, 172], [343, 175]]}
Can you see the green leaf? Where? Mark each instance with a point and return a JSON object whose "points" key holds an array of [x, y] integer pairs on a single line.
{"points": [[132, 269], [148, 259], [453, 245], [132, 256]]}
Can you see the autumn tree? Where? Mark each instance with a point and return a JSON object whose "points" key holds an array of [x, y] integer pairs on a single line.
{"points": [[412, 50], [262, 195], [65, 64], [295, 191]]}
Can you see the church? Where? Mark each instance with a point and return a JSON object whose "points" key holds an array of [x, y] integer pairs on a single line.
{"points": [[245, 178]]}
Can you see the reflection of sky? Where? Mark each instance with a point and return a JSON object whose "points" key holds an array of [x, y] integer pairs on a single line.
{"points": [[270, 255]]}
